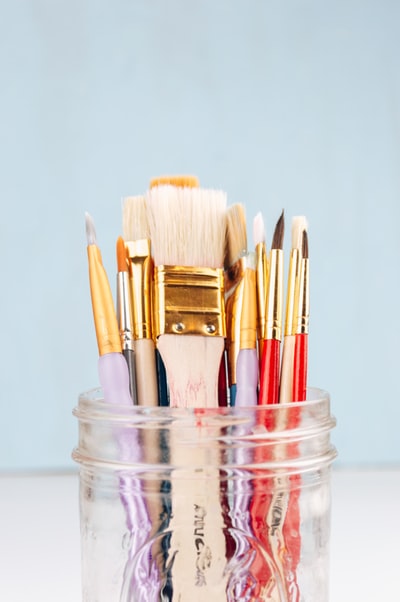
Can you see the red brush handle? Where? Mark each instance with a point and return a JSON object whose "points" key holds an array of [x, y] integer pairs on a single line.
{"points": [[300, 367], [269, 378]]}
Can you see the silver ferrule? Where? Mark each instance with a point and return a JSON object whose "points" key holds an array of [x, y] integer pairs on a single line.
{"points": [[124, 310]]}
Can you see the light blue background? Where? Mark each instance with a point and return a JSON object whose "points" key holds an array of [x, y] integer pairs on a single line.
{"points": [[292, 104]]}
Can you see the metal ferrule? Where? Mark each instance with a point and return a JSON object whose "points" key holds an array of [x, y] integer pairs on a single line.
{"points": [[293, 278], [189, 300], [248, 316], [124, 310], [261, 287], [106, 325], [234, 279], [141, 271], [273, 326], [302, 309]]}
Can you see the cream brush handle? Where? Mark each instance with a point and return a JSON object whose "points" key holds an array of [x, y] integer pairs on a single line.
{"points": [[146, 374], [192, 365], [286, 384]]}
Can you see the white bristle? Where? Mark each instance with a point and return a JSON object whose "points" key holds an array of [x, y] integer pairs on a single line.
{"points": [[299, 223], [258, 229], [134, 218], [187, 226], [251, 260], [90, 229]]}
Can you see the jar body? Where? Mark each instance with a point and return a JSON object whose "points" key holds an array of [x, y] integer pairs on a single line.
{"points": [[205, 505]]}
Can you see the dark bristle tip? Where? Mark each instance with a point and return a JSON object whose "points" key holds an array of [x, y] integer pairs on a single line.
{"points": [[277, 240], [304, 244]]}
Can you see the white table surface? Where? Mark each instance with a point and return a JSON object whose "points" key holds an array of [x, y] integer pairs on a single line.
{"points": [[39, 537]]}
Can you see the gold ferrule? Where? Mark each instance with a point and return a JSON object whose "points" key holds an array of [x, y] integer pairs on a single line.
{"points": [[248, 316], [293, 279], [106, 325], [302, 309], [233, 308], [189, 300], [261, 287], [141, 273], [124, 311], [273, 326]]}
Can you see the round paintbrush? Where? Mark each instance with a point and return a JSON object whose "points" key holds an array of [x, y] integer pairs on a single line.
{"points": [[299, 223]]}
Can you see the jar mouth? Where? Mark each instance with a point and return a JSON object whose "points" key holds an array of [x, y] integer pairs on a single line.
{"points": [[304, 417]]}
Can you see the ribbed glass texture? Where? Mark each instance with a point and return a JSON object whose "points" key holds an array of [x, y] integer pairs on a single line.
{"points": [[225, 504]]}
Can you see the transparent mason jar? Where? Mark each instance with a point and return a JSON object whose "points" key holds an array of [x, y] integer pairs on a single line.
{"points": [[225, 504]]}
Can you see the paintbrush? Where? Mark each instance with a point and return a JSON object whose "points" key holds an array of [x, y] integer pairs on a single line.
{"points": [[187, 227], [180, 181], [124, 315], [113, 370], [299, 223], [247, 359], [235, 266], [301, 326], [270, 363], [261, 278], [114, 379], [137, 242]]}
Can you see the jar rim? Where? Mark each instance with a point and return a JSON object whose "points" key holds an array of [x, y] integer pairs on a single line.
{"points": [[92, 408]]}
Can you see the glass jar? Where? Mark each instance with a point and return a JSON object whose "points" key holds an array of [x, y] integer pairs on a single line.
{"points": [[224, 504]]}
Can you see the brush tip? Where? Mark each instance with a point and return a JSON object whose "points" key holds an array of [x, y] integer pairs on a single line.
{"points": [[236, 234], [122, 264], [258, 229], [179, 181], [299, 223], [134, 218], [304, 245], [277, 241], [90, 229]]}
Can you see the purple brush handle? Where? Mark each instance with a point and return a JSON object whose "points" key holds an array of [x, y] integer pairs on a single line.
{"points": [[246, 378], [114, 380], [246, 395]]}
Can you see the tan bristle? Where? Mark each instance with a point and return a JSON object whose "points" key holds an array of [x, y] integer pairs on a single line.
{"points": [[134, 218], [178, 181], [187, 226], [236, 234], [299, 223]]}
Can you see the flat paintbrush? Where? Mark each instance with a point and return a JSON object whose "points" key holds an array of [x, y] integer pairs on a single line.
{"points": [[180, 181], [235, 266], [187, 227], [136, 235]]}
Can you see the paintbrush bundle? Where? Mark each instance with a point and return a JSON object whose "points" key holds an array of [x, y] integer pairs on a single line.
{"points": [[199, 325]]}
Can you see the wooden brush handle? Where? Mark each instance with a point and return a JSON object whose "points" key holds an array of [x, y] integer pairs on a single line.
{"points": [[146, 374], [192, 363], [269, 378], [286, 383]]}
